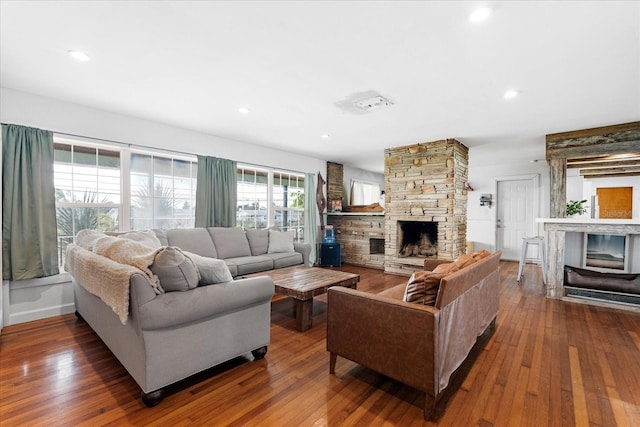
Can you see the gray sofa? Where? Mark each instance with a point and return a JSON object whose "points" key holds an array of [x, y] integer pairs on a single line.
{"points": [[244, 252], [170, 336]]}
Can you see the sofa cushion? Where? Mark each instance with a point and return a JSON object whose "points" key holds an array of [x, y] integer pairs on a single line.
{"points": [[175, 271], [280, 241], [146, 237], [422, 287], [230, 242], [212, 270], [252, 264], [258, 241], [194, 240], [285, 259]]}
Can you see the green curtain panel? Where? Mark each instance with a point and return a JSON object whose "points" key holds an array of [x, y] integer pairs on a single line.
{"points": [[29, 231], [310, 215], [216, 192]]}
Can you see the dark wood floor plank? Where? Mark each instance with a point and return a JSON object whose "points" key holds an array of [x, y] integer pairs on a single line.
{"points": [[548, 362]]}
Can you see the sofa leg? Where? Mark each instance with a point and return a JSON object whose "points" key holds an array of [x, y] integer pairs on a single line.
{"points": [[332, 363], [259, 353], [78, 315], [429, 405], [153, 398]]}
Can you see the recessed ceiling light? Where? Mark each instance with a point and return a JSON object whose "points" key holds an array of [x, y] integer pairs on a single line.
{"points": [[324, 136], [480, 14], [80, 56], [511, 94], [243, 110]]}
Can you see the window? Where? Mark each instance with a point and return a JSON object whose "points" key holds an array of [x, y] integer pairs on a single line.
{"points": [[109, 188], [163, 191], [87, 186], [268, 197], [252, 198], [288, 200]]}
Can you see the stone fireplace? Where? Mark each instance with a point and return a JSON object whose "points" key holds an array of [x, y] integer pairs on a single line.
{"points": [[425, 199]]}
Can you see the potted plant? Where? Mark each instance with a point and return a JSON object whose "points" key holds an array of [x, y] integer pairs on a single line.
{"points": [[576, 207]]}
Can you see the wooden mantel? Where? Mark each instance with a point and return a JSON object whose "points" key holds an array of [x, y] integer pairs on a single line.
{"points": [[556, 228]]}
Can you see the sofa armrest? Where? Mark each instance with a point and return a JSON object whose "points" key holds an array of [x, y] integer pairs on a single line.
{"points": [[392, 337], [305, 250], [175, 308]]}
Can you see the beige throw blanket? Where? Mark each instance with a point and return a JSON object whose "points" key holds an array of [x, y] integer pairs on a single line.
{"points": [[102, 277], [130, 252], [106, 272]]}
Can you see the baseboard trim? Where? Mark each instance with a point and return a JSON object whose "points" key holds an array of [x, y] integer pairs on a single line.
{"points": [[41, 313]]}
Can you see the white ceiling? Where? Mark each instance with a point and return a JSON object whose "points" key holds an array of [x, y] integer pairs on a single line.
{"points": [[191, 64]]}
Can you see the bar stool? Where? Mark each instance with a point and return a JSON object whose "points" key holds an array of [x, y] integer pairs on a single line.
{"points": [[542, 249]]}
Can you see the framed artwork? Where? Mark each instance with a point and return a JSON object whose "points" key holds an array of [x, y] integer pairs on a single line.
{"points": [[336, 205]]}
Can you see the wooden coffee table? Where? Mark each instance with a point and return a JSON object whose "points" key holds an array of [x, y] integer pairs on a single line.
{"points": [[303, 283]]}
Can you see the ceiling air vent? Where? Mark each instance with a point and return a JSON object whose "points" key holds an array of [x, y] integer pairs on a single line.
{"points": [[371, 104], [364, 102]]}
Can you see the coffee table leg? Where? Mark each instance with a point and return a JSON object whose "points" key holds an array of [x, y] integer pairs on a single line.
{"points": [[304, 314]]}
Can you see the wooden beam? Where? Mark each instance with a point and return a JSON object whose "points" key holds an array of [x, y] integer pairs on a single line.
{"points": [[602, 164], [611, 175], [606, 140], [610, 171]]}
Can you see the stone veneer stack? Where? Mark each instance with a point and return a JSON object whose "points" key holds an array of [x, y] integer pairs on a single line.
{"points": [[426, 182]]}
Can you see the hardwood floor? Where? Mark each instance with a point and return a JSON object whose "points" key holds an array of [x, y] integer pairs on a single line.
{"points": [[548, 362]]}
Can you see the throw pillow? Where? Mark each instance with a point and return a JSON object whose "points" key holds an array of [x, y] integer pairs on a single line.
{"points": [[175, 271], [280, 241], [422, 287], [464, 260], [212, 270], [146, 237], [446, 268], [478, 255]]}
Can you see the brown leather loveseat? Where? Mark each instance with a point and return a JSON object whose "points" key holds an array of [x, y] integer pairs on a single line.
{"points": [[414, 343]]}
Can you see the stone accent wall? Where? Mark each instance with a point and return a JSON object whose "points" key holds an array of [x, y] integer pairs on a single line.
{"points": [[426, 182], [353, 232], [335, 185]]}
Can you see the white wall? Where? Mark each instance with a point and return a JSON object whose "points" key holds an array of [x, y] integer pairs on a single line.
{"points": [[39, 298], [489, 161], [58, 116]]}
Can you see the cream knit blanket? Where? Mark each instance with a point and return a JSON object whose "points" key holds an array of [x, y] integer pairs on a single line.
{"points": [[106, 272]]}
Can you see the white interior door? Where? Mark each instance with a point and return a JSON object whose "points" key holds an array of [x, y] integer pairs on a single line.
{"points": [[515, 216]]}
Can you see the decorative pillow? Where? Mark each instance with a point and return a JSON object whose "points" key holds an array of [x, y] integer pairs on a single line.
{"points": [[175, 271], [464, 260], [478, 255], [422, 287], [280, 241], [212, 270], [146, 237], [446, 268]]}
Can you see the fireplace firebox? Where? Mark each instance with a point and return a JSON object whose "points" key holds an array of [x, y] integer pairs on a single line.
{"points": [[417, 239]]}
